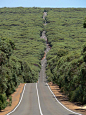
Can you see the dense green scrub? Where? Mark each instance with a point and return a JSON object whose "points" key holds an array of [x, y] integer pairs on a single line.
{"points": [[21, 48], [66, 61]]}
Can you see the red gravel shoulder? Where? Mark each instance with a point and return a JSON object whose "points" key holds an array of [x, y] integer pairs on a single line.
{"points": [[64, 100], [15, 99]]}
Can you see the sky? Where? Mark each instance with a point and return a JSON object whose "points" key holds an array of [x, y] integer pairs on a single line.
{"points": [[44, 3]]}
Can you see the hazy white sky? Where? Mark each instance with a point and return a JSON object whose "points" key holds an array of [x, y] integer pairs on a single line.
{"points": [[43, 3]]}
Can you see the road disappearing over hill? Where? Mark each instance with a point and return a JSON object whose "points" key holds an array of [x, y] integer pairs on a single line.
{"points": [[37, 98]]}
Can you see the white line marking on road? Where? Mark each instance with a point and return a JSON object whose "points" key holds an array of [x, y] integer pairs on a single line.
{"points": [[43, 62], [38, 101], [61, 103], [19, 102]]}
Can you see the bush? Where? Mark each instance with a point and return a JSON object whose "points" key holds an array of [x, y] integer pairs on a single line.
{"points": [[84, 24], [77, 95], [3, 102], [10, 100]]}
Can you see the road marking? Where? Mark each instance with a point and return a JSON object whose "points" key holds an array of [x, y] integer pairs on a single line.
{"points": [[38, 80], [38, 100], [61, 103], [19, 102], [43, 62]]}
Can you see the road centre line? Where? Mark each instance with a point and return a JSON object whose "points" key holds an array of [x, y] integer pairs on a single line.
{"points": [[38, 101], [61, 103], [43, 62], [19, 102]]}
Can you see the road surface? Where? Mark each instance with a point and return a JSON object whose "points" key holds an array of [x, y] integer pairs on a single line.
{"points": [[37, 98], [30, 105]]}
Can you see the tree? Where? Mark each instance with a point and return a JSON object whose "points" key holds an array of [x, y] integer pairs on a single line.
{"points": [[84, 24], [3, 102]]}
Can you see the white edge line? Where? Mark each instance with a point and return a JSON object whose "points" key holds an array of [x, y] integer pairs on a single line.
{"points": [[38, 101], [19, 102], [61, 103]]}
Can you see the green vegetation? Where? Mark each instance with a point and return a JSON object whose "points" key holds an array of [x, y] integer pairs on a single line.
{"points": [[21, 49], [84, 24], [66, 61]]}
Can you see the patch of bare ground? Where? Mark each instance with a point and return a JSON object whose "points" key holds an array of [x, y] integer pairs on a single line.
{"points": [[15, 99], [64, 100]]}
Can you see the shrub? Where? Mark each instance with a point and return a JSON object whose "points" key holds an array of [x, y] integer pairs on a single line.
{"points": [[84, 24], [3, 102]]}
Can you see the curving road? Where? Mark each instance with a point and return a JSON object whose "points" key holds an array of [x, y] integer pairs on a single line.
{"points": [[37, 98], [48, 104]]}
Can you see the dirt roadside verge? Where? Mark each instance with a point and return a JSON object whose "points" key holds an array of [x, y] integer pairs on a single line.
{"points": [[56, 90], [64, 100], [15, 99]]}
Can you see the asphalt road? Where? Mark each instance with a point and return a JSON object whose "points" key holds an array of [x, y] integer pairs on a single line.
{"points": [[44, 15], [42, 103], [49, 105], [29, 103], [37, 98]]}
